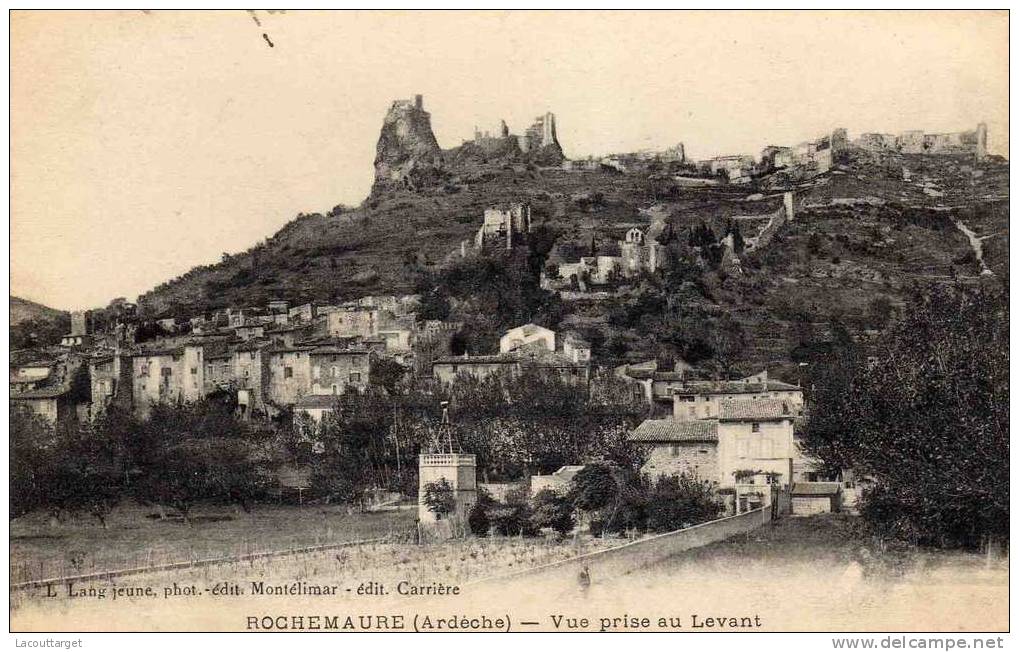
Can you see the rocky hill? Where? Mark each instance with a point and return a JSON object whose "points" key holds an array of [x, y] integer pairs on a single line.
{"points": [[863, 235]]}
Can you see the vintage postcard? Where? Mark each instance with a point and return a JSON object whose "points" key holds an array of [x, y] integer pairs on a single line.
{"points": [[510, 321]]}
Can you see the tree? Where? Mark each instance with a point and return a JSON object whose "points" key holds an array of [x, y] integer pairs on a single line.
{"points": [[926, 420], [680, 501], [195, 470], [439, 497], [551, 510], [387, 374], [87, 470], [729, 342], [30, 438]]}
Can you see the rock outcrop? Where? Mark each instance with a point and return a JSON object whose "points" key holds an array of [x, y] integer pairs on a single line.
{"points": [[407, 154]]}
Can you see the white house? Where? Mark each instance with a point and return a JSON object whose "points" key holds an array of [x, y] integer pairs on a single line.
{"points": [[527, 335]]}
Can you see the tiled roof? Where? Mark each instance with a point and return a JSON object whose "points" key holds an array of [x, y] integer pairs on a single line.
{"points": [[501, 358], [733, 387], [816, 488], [664, 430], [754, 410], [336, 350], [41, 392]]}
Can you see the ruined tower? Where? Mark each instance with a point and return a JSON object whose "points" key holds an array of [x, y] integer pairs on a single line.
{"points": [[981, 148]]}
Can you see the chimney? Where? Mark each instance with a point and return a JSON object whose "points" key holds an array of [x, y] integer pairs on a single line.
{"points": [[419, 101]]}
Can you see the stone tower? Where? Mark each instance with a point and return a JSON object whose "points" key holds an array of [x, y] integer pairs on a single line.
{"points": [[787, 203], [446, 462], [981, 150]]}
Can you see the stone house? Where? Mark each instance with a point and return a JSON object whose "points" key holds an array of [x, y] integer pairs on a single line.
{"points": [[446, 369], [110, 380], [756, 435], [315, 406], [54, 403], [353, 323], [701, 399], [749, 443], [679, 447], [527, 335], [30, 375], [334, 370], [640, 253], [289, 375], [156, 377]]}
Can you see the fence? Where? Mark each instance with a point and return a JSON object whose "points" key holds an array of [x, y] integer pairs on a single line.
{"points": [[645, 552], [194, 563]]}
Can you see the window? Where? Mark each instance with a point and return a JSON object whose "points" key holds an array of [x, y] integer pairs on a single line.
{"points": [[355, 377], [755, 427], [334, 371], [194, 371], [288, 372], [766, 448], [688, 399], [166, 372], [674, 450], [741, 448], [335, 389]]}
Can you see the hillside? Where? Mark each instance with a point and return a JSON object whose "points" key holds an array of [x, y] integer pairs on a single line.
{"points": [[863, 235], [33, 324], [23, 310]]}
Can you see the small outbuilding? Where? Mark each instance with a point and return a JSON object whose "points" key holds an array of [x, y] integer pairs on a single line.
{"points": [[816, 498]]}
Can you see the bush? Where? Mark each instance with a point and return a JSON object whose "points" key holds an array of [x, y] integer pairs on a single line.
{"points": [[680, 501], [477, 519], [512, 517], [550, 510]]}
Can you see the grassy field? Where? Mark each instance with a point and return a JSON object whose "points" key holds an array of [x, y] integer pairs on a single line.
{"points": [[136, 536]]}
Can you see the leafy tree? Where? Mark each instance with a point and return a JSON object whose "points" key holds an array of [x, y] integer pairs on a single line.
{"points": [[512, 517], [387, 374], [926, 419], [87, 470], [680, 501], [30, 437], [197, 470], [729, 342], [596, 486], [477, 517], [552, 511], [439, 497]]}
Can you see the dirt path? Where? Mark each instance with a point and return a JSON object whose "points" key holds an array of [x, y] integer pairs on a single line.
{"points": [[976, 242]]}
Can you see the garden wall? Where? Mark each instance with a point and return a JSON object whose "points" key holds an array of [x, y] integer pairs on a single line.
{"points": [[645, 552]]}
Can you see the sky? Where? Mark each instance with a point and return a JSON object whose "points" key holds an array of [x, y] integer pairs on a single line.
{"points": [[143, 144]]}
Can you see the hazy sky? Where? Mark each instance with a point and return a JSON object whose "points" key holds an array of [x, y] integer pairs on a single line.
{"points": [[145, 144]]}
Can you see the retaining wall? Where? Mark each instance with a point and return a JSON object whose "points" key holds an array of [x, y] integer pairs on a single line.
{"points": [[645, 552]]}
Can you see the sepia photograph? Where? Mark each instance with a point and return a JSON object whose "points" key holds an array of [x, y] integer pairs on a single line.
{"points": [[507, 321]]}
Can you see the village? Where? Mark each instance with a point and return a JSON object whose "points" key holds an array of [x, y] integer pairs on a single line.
{"points": [[281, 364]]}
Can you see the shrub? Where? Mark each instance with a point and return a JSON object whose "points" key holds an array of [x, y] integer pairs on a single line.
{"points": [[478, 521], [439, 497], [552, 511], [681, 501]]}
